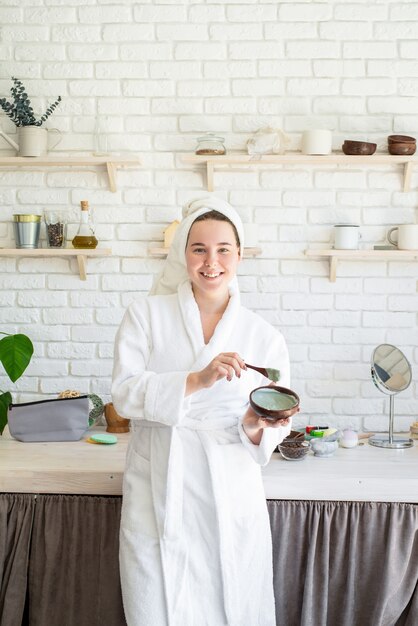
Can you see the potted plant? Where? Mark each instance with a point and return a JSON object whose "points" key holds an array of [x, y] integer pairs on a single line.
{"points": [[15, 355], [33, 140]]}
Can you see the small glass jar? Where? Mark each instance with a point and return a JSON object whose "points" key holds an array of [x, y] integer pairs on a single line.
{"points": [[209, 143], [56, 228]]}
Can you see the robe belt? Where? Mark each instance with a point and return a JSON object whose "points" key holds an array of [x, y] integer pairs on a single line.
{"points": [[167, 493], [167, 473]]}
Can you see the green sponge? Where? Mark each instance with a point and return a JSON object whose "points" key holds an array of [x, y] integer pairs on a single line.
{"points": [[103, 438]]}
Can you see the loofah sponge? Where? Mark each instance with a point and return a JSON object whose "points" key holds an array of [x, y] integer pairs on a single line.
{"points": [[96, 404]]}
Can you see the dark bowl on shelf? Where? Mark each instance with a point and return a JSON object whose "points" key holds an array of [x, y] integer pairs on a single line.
{"points": [[287, 395], [401, 139], [402, 148], [362, 148]]}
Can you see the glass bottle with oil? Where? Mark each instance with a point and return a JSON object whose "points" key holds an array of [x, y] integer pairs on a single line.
{"points": [[85, 237]]}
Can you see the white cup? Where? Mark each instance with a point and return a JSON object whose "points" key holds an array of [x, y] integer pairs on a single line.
{"points": [[346, 236], [407, 237], [250, 235], [317, 142]]}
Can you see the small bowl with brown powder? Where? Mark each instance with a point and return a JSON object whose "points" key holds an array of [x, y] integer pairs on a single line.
{"points": [[294, 449]]}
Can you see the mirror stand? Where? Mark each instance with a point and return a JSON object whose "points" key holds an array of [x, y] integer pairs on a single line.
{"points": [[389, 440], [391, 373]]}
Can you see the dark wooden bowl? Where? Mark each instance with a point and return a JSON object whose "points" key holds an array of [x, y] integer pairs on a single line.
{"points": [[401, 139], [402, 148], [274, 414], [364, 148]]}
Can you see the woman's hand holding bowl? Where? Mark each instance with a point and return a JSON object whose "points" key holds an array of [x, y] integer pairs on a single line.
{"points": [[254, 425]]}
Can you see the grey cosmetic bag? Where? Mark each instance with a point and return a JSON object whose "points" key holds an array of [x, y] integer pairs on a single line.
{"points": [[60, 419]]}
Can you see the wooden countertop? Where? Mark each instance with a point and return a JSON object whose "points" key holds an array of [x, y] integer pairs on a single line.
{"points": [[74, 467], [364, 473]]}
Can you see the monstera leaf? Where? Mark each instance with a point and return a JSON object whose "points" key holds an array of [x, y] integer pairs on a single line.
{"points": [[15, 354], [5, 400]]}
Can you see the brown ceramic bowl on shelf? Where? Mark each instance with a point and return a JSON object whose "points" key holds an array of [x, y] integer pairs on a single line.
{"points": [[401, 139], [402, 148], [274, 403], [360, 148]]}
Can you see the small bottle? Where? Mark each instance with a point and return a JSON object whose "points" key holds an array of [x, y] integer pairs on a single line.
{"points": [[101, 143], [85, 235]]}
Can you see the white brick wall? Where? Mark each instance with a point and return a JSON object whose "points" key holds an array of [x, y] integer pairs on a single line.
{"points": [[163, 72]]}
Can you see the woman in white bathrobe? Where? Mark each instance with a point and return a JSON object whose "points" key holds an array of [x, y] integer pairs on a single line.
{"points": [[195, 542]]}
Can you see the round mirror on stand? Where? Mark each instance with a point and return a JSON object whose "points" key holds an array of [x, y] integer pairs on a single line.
{"points": [[391, 373]]}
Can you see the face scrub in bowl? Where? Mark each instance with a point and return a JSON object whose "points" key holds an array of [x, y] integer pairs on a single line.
{"points": [[274, 402]]}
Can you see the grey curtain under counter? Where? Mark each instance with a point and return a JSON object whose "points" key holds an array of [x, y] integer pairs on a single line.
{"points": [[59, 561], [345, 563], [335, 563], [16, 518], [73, 576]]}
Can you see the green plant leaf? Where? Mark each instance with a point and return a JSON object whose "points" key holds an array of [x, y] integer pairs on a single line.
{"points": [[5, 400], [15, 354], [20, 111]]}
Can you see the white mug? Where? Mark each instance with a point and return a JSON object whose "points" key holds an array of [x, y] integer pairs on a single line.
{"points": [[317, 142], [346, 236], [407, 237]]}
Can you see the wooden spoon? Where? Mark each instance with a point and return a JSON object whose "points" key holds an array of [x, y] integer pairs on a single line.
{"points": [[268, 372]]}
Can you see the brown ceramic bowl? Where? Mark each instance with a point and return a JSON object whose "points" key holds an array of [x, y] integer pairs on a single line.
{"points": [[364, 148], [401, 139], [402, 148], [289, 398]]}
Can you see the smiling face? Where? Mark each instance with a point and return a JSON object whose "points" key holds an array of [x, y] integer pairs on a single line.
{"points": [[212, 256]]}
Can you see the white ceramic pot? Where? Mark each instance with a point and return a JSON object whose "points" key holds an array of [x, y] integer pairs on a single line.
{"points": [[317, 141], [33, 140]]}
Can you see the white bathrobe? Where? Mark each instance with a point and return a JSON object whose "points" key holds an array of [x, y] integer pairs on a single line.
{"points": [[195, 543]]}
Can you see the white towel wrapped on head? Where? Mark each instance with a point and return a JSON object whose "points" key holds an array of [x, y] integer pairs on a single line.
{"points": [[175, 271]]}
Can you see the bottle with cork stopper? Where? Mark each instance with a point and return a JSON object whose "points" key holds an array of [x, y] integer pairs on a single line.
{"points": [[85, 235]]}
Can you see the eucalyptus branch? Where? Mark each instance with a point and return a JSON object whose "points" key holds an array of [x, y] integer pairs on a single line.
{"points": [[20, 110]]}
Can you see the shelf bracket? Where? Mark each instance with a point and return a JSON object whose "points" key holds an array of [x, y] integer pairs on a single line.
{"points": [[81, 260], [111, 172], [333, 262], [407, 171], [209, 175]]}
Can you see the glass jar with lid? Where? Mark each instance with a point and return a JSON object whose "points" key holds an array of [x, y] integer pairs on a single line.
{"points": [[209, 143]]}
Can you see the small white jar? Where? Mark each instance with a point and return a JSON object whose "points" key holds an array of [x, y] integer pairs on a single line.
{"points": [[317, 141], [346, 236]]}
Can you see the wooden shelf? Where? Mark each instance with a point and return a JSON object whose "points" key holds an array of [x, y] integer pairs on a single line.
{"points": [[81, 255], [112, 163], [162, 252], [297, 158], [359, 255]]}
